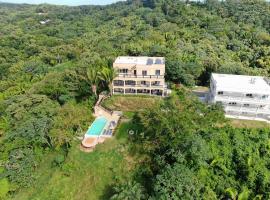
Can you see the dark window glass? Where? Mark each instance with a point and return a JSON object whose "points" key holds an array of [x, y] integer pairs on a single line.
{"points": [[144, 73]]}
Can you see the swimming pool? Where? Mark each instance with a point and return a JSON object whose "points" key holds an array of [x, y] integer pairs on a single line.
{"points": [[97, 127]]}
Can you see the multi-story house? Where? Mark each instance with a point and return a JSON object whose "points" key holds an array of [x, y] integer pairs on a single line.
{"points": [[140, 75], [243, 97]]}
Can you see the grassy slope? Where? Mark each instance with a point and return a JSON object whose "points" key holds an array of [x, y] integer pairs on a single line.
{"points": [[238, 123], [130, 104], [84, 175]]}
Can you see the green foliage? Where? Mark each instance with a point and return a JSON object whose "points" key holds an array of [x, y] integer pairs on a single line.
{"points": [[4, 188], [59, 160], [46, 94], [194, 154], [128, 191], [177, 182]]}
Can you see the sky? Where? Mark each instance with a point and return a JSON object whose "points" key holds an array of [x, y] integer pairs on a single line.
{"points": [[63, 2]]}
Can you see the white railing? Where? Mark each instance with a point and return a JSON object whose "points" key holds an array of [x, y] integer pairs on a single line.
{"points": [[242, 99], [247, 109], [140, 76]]}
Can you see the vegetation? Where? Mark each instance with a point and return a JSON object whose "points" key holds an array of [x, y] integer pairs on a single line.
{"points": [[130, 103], [51, 74], [191, 156], [83, 175]]}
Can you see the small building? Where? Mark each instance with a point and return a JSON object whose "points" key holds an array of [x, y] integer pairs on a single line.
{"points": [[140, 75], [243, 97]]}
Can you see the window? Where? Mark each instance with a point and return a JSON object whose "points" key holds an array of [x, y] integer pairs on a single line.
{"points": [[143, 82], [220, 92], [123, 71], [246, 105], [232, 103], [158, 72], [144, 73], [118, 83], [248, 95], [156, 83], [264, 96], [129, 82]]}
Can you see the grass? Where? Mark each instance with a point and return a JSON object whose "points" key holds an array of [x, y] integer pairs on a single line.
{"points": [[129, 104], [84, 175], [238, 123]]}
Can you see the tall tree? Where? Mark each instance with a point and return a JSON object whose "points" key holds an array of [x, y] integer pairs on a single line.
{"points": [[107, 74], [93, 78]]}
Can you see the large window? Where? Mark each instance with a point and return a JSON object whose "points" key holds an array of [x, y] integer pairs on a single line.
{"points": [[143, 82], [129, 82], [123, 71], [156, 83], [248, 95], [158, 72], [118, 83], [144, 73]]}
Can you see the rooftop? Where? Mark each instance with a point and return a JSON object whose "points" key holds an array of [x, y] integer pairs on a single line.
{"points": [[241, 83], [141, 60]]}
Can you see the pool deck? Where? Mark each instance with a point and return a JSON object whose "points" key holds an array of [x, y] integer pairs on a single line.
{"points": [[111, 116]]}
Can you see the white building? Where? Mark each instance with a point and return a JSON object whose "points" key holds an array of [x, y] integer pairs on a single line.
{"points": [[243, 97], [140, 75]]}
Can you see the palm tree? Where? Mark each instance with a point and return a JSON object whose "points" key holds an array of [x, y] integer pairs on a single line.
{"points": [[93, 78], [107, 75]]}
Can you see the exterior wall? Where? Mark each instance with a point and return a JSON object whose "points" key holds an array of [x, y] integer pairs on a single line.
{"points": [[135, 82], [239, 105]]}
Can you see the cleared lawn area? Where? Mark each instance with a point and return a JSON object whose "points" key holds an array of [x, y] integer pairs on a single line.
{"points": [[238, 123], [84, 176], [130, 103]]}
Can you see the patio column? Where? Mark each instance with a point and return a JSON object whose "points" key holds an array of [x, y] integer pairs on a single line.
{"points": [[124, 86]]}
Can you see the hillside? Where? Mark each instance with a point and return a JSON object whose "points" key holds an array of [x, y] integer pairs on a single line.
{"points": [[46, 99]]}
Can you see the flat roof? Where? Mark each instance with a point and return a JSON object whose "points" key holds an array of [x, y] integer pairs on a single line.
{"points": [[140, 60], [241, 83]]}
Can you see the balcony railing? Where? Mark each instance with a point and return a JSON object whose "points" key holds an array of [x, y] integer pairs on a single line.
{"points": [[247, 109], [242, 99], [139, 85], [140, 76]]}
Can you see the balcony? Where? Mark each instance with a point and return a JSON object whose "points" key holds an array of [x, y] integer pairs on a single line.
{"points": [[247, 109], [140, 76], [132, 85], [252, 100]]}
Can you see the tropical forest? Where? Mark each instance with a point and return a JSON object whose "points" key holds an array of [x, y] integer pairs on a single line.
{"points": [[55, 61]]}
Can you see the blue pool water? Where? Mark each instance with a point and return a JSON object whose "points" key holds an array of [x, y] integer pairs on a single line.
{"points": [[97, 127]]}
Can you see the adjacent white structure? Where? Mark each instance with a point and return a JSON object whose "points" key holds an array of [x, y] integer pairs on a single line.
{"points": [[243, 97], [140, 75]]}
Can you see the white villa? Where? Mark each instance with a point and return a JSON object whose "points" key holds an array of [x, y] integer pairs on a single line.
{"points": [[140, 75], [243, 97]]}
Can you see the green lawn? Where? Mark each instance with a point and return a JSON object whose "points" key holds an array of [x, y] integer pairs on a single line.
{"points": [[238, 123], [86, 176]]}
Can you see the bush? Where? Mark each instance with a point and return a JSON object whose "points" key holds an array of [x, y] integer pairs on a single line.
{"points": [[59, 160]]}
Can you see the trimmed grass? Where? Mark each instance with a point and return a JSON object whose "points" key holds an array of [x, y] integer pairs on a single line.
{"points": [[238, 123], [86, 176], [129, 104]]}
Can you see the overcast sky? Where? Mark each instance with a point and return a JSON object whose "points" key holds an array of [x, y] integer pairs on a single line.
{"points": [[63, 2]]}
